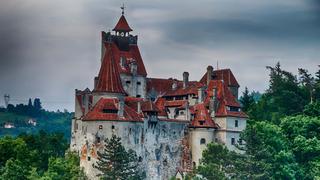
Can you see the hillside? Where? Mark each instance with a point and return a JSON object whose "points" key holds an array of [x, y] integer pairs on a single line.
{"points": [[21, 118]]}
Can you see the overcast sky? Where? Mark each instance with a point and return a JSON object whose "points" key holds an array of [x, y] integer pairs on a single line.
{"points": [[50, 48]]}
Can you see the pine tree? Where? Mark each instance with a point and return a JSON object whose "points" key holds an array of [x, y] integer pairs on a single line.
{"points": [[246, 100], [117, 163]]}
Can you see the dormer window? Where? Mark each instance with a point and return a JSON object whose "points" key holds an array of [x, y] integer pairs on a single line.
{"points": [[113, 111], [201, 122], [232, 108], [123, 61]]}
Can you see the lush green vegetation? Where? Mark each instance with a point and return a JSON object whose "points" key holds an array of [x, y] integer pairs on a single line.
{"points": [[37, 156], [282, 136], [20, 114], [117, 163]]}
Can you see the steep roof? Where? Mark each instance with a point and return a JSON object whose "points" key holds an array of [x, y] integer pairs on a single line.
{"points": [[122, 25], [109, 77], [202, 118], [131, 56], [98, 113], [222, 74], [224, 98]]}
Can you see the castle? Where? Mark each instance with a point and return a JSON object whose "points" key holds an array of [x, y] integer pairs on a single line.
{"points": [[168, 122]]}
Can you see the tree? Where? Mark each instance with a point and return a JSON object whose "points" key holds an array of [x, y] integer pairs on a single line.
{"points": [[37, 104], [246, 100], [14, 170], [307, 82], [117, 163]]}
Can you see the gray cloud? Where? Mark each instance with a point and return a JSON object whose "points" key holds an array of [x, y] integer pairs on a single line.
{"points": [[49, 48]]}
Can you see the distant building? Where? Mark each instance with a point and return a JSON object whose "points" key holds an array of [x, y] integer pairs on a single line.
{"points": [[168, 122], [32, 122], [9, 125]]}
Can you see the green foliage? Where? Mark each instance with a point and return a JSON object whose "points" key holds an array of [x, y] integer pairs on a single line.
{"points": [[312, 109], [40, 156], [117, 163], [246, 100]]}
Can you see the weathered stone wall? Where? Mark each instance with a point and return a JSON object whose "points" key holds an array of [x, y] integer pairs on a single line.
{"points": [[158, 145]]}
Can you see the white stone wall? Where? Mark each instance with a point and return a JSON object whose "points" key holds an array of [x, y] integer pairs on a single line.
{"points": [[158, 146], [195, 136], [227, 131]]}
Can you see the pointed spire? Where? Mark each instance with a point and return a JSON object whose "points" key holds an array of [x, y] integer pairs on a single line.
{"points": [[109, 76], [122, 24]]}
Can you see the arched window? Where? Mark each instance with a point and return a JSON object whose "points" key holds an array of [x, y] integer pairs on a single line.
{"points": [[202, 141]]}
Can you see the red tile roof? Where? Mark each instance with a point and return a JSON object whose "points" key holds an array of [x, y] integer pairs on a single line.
{"points": [[148, 106], [225, 98], [176, 103], [111, 103], [122, 25], [131, 56], [109, 77], [160, 104], [202, 115], [164, 86], [222, 74]]}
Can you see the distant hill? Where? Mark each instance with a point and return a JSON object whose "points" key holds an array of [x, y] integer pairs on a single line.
{"points": [[31, 118]]}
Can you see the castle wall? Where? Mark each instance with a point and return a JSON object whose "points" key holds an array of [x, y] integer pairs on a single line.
{"points": [[199, 138], [159, 147]]}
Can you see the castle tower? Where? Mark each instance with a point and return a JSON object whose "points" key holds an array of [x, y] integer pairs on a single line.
{"points": [[201, 132]]}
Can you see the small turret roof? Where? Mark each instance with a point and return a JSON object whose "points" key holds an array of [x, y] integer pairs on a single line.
{"points": [[122, 25]]}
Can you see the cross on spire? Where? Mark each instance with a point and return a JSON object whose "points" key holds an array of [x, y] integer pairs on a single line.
{"points": [[122, 7]]}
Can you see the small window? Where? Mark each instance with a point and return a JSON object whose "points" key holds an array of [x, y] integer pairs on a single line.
{"points": [[138, 96], [240, 141], [138, 83], [236, 123], [100, 127], [112, 127], [140, 159], [181, 113], [130, 130], [113, 111], [89, 158], [202, 141], [98, 139], [201, 123], [233, 141], [128, 82], [122, 61]]}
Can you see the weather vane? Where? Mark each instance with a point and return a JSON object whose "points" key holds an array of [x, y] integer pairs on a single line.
{"points": [[123, 7]]}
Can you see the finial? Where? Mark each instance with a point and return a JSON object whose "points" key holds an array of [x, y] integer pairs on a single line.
{"points": [[122, 7]]}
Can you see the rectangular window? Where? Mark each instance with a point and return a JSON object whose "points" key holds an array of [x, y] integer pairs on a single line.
{"points": [[201, 122], [233, 141], [138, 83], [113, 111], [100, 127], [236, 123], [240, 141], [128, 82]]}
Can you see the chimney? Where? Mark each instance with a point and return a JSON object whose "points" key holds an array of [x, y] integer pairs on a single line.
{"points": [[139, 107], [213, 102], [200, 95], [185, 79], [95, 82], [209, 74], [174, 84], [133, 67], [121, 106]]}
